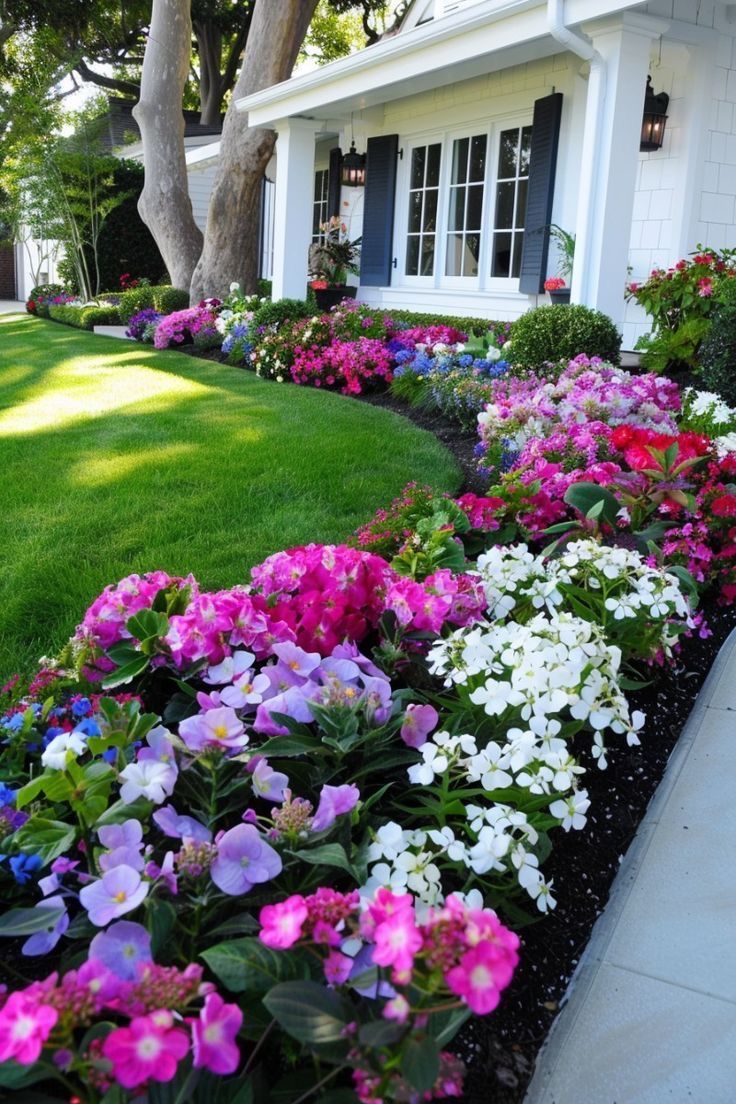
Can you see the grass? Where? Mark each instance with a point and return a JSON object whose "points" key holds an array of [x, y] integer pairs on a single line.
{"points": [[116, 458]]}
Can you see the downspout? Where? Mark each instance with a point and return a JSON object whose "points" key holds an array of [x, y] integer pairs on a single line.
{"points": [[581, 46]]}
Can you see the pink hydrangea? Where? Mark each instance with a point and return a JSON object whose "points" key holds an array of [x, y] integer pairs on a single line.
{"points": [[104, 622]]}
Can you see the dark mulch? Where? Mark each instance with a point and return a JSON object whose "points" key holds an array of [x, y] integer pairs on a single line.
{"points": [[501, 1049]]}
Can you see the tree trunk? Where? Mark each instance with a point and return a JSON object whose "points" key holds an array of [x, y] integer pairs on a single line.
{"points": [[233, 224], [209, 50], [164, 204]]}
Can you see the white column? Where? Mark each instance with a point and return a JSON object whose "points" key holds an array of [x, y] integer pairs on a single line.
{"points": [[294, 198], [609, 158]]}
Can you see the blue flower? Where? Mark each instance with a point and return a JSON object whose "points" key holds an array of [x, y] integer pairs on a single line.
{"points": [[23, 867], [82, 707], [51, 731], [7, 796], [14, 723], [89, 727]]}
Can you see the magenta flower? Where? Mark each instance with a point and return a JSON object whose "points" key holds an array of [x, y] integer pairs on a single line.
{"points": [[333, 802], [281, 924], [150, 1048], [42, 942], [215, 728], [25, 1025], [213, 1036], [419, 722], [121, 948], [479, 977], [244, 859], [337, 967], [99, 982], [268, 783], [180, 827], [397, 940], [118, 891]]}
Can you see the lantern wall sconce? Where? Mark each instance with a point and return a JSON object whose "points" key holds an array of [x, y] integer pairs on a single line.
{"points": [[352, 173], [655, 119]]}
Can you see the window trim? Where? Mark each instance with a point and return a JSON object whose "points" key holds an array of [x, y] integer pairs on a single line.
{"points": [[324, 201], [484, 282]]}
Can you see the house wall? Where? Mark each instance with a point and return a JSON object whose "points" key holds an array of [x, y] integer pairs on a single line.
{"points": [[200, 189], [7, 272], [36, 259], [498, 96]]}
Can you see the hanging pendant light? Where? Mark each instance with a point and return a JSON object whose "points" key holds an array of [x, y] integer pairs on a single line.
{"points": [[654, 120], [353, 164]]}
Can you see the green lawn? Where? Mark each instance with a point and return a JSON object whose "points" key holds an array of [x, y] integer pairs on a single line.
{"points": [[116, 458]]}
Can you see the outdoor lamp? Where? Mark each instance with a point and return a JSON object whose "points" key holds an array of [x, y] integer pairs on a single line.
{"points": [[654, 120], [353, 168]]}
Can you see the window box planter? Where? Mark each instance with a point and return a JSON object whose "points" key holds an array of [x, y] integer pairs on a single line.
{"points": [[561, 297], [331, 296]]}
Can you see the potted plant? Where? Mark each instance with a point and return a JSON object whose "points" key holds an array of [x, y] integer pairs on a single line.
{"points": [[556, 286], [331, 261]]}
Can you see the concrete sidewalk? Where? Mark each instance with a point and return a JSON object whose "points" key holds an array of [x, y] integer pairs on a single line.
{"points": [[651, 1012], [9, 306]]}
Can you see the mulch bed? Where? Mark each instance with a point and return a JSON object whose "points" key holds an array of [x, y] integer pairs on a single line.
{"points": [[500, 1050]]}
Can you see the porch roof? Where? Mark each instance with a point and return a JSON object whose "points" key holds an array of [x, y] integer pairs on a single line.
{"points": [[487, 36]]}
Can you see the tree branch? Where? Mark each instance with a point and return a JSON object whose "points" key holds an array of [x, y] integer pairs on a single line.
{"points": [[113, 84]]}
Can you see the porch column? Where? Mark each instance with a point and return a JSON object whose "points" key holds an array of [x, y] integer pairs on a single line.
{"points": [[294, 198], [609, 159]]}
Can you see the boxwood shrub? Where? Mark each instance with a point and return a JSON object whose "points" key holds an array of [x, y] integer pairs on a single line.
{"points": [[718, 351], [84, 318], [553, 333], [163, 298]]}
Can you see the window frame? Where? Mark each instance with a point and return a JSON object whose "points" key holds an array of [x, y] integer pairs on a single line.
{"points": [[446, 137], [324, 201]]}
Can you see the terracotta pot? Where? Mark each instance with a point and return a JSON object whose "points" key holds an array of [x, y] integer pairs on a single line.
{"points": [[331, 296]]}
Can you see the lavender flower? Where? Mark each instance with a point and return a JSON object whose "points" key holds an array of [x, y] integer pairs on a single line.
{"points": [[334, 801], [121, 948], [243, 860]]}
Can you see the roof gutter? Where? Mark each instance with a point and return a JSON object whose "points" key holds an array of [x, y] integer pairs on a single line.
{"points": [[581, 46]]}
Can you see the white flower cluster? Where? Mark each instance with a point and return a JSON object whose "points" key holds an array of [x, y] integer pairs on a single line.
{"points": [[628, 587], [551, 668], [709, 405]]}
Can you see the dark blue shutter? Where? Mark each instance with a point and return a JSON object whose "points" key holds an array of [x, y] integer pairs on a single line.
{"points": [[542, 166], [376, 254], [334, 183]]}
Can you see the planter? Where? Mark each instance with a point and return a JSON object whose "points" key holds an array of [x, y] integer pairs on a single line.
{"points": [[331, 296], [561, 297]]}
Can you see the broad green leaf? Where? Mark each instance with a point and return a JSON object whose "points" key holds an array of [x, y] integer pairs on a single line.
{"points": [[28, 921], [118, 813], [584, 496], [247, 965], [288, 745], [147, 624], [162, 917], [47, 838], [444, 1026], [379, 1033], [127, 672], [30, 791], [420, 1063], [309, 1012], [14, 1076], [328, 854]]}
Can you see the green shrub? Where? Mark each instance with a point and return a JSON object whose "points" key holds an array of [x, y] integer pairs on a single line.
{"points": [[134, 300], [264, 289], [718, 351], [70, 316], [284, 310], [553, 333], [100, 316], [168, 299], [477, 326]]}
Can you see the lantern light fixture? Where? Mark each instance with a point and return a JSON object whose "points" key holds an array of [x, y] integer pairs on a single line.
{"points": [[352, 174], [654, 120]]}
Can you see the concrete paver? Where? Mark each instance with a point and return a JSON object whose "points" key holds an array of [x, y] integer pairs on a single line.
{"points": [[8, 306], [651, 1011]]}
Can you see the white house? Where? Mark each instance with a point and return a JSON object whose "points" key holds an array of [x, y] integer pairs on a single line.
{"points": [[485, 120]]}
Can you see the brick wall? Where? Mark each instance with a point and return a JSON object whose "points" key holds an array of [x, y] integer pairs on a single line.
{"points": [[7, 272]]}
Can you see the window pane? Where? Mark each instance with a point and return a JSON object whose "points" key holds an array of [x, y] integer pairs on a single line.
{"points": [[433, 165], [460, 160], [518, 246], [472, 253], [501, 260], [507, 154], [474, 216], [412, 256], [415, 212], [430, 212], [316, 219], [478, 157], [504, 206], [418, 157], [526, 150], [521, 203], [457, 209], [317, 186], [454, 260], [427, 255]]}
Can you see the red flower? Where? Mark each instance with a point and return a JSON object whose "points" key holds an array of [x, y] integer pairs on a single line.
{"points": [[724, 505], [554, 283]]}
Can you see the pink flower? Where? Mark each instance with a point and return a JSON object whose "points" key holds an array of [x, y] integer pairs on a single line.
{"points": [[215, 728], [479, 977], [213, 1035], [397, 941], [419, 721], [281, 924], [705, 287], [337, 967], [150, 1048], [25, 1025]]}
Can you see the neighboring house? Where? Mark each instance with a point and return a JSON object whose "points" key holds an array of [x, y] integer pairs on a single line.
{"points": [[485, 120]]}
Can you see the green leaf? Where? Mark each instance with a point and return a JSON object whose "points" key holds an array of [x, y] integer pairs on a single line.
{"points": [[420, 1063], [328, 854], [379, 1033], [127, 672], [162, 917], [309, 1012], [15, 1076], [585, 496], [288, 745], [249, 965], [47, 838], [30, 791], [444, 1026], [118, 813], [28, 921], [147, 624]]}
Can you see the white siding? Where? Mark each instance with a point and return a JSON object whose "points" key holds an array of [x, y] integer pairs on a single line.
{"points": [[200, 188]]}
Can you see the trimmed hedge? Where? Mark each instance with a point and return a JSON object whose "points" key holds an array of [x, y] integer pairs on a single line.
{"points": [[84, 318], [552, 333], [718, 351], [477, 326], [162, 298]]}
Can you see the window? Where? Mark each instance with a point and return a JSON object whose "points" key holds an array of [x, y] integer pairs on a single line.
{"points": [[510, 211], [465, 214], [424, 189], [319, 207]]}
